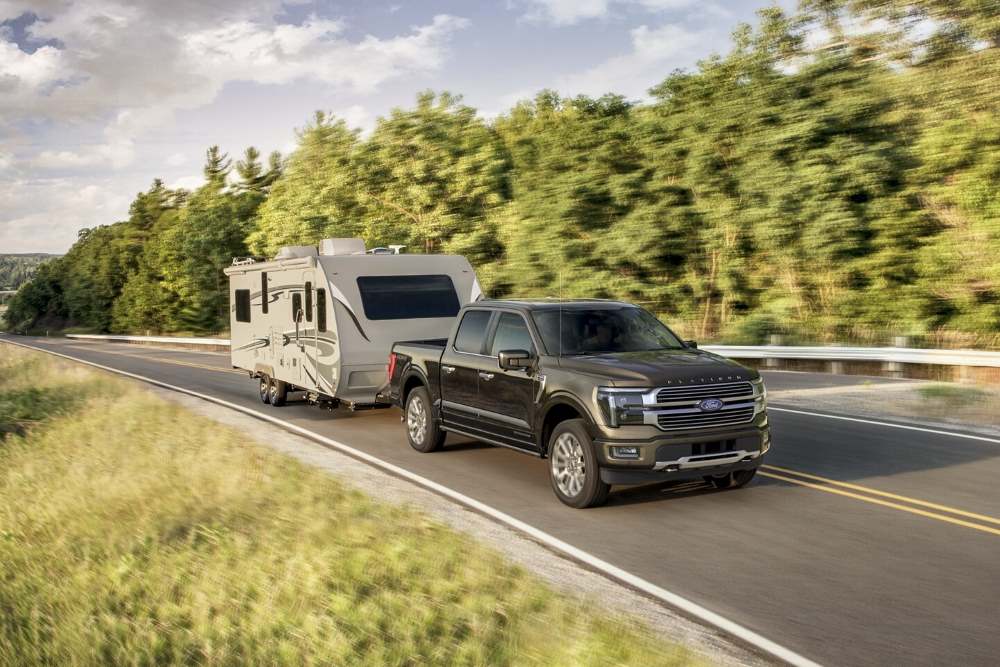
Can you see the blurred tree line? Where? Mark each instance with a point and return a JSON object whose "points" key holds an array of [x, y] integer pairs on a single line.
{"points": [[17, 269], [835, 176]]}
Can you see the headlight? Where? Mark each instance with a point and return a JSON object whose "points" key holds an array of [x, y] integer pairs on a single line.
{"points": [[759, 396], [620, 407]]}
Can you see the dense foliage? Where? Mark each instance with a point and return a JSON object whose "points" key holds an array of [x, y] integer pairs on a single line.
{"points": [[835, 176], [15, 270]]}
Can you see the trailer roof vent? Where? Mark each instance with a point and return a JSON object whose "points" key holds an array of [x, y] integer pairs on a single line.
{"points": [[342, 247], [293, 251]]}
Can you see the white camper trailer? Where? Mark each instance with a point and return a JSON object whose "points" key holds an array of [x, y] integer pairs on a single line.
{"points": [[323, 321]]}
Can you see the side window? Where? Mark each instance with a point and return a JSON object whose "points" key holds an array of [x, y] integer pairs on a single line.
{"points": [[511, 334], [263, 291], [471, 331], [321, 309], [296, 305], [309, 302], [242, 305]]}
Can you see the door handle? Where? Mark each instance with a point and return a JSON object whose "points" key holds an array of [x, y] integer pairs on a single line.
{"points": [[448, 369], [486, 376]]}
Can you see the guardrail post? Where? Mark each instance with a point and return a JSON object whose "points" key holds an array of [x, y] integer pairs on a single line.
{"points": [[773, 362], [837, 367]]}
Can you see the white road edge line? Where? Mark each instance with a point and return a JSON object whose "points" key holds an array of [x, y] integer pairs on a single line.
{"points": [[889, 424], [692, 608]]}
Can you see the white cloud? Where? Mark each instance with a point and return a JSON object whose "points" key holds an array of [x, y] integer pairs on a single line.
{"points": [[187, 183], [356, 117], [42, 215], [131, 66], [655, 53], [249, 51], [176, 159], [568, 12]]}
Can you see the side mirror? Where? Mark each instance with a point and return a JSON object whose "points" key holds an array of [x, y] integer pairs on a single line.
{"points": [[693, 344], [514, 359]]}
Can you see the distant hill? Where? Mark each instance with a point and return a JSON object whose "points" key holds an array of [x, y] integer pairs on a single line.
{"points": [[17, 269]]}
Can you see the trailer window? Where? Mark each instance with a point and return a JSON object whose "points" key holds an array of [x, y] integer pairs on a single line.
{"points": [[321, 309], [408, 297], [309, 302], [296, 306], [242, 305], [263, 291]]}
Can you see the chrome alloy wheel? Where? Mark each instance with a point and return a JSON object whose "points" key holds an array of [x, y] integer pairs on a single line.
{"points": [[568, 467], [416, 420]]}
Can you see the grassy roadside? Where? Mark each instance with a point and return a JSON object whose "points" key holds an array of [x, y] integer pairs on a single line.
{"points": [[132, 531]]}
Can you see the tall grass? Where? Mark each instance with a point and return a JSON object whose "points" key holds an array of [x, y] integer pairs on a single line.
{"points": [[134, 532]]}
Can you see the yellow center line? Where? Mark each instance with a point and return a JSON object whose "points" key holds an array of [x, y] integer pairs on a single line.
{"points": [[886, 494], [884, 503]]}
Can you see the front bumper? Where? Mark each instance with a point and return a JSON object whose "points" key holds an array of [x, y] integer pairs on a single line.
{"points": [[679, 456]]}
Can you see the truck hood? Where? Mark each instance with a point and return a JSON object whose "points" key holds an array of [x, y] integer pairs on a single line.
{"points": [[658, 368]]}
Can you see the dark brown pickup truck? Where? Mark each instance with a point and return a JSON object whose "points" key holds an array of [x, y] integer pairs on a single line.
{"points": [[602, 389]]}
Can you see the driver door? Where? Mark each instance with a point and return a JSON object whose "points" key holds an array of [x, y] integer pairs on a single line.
{"points": [[507, 397]]}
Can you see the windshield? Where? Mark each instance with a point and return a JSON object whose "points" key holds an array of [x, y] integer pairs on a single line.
{"points": [[586, 331]]}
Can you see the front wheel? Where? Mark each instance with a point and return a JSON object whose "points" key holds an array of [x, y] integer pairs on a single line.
{"points": [[732, 480], [421, 429], [573, 469]]}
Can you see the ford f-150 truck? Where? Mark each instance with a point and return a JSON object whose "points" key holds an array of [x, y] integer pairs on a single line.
{"points": [[602, 389]]}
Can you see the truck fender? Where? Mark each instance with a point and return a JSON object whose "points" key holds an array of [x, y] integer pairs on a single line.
{"points": [[410, 373], [553, 402], [263, 369]]}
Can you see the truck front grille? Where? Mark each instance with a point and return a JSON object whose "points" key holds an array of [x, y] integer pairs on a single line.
{"points": [[698, 392], [727, 416]]}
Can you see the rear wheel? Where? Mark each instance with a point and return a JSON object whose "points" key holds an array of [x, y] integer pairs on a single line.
{"points": [[265, 389], [422, 431], [732, 480], [573, 469], [278, 392]]}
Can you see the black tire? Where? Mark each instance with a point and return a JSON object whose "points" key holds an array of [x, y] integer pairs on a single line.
{"points": [[733, 480], [278, 392], [573, 468], [264, 389], [422, 432]]}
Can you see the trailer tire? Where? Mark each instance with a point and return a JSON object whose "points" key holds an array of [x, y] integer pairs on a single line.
{"points": [[265, 389], [422, 432], [278, 392]]}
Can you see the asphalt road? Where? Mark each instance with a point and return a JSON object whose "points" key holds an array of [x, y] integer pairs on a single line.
{"points": [[859, 544]]}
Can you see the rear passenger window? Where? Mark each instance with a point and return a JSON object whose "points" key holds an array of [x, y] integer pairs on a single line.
{"points": [[471, 331], [242, 305], [512, 334]]}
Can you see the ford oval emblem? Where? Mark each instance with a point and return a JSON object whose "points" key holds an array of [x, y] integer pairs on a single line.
{"points": [[710, 405]]}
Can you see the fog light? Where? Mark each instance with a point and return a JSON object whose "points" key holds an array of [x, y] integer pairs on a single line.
{"points": [[624, 452], [765, 442]]}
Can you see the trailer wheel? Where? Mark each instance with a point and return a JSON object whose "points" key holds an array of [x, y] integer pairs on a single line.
{"points": [[278, 392], [422, 431], [265, 389]]}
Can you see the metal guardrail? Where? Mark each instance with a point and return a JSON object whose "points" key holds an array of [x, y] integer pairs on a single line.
{"points": [[219, 342], [899, 355]]}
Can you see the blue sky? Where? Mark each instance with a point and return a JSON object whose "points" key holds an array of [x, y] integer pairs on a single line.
{"points": [[97, 98]]}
